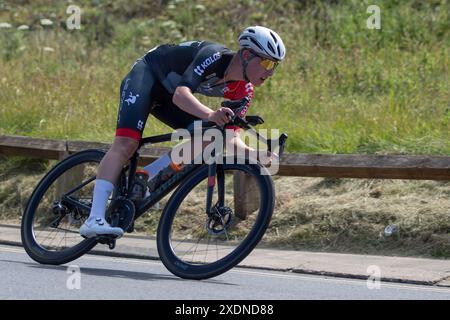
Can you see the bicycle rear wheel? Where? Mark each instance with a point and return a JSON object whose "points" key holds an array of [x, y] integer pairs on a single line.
{"points": [[57, 209], [194, 246]]}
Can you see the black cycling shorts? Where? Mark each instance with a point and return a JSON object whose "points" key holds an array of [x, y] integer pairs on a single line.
{"points": [[141, 94]]}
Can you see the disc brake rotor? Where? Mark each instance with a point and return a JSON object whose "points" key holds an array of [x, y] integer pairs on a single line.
{"points": [[220, 220]]}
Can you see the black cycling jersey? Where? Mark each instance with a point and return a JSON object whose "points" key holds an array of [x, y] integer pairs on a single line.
{"points": [[196, 65], [151, 83]]}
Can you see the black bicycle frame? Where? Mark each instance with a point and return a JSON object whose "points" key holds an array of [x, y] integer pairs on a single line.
{"points": [[214, 170], [171, 183]]}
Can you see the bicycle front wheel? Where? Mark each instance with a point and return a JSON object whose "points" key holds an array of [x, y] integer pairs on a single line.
{"points": [[193, 245]]}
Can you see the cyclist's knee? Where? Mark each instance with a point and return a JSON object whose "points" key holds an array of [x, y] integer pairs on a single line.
{"points": [[124, 146]]}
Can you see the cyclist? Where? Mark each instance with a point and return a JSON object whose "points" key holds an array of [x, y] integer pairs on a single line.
{"points": [[162, 83]]}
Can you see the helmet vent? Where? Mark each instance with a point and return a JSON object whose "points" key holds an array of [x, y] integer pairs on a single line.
{"points": [[270, 47], [256, 43], [273, 37]]}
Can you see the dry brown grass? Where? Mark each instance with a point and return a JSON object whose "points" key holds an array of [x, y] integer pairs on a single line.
{"points": [[349, 215]]}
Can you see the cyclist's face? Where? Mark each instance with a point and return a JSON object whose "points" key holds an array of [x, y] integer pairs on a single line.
{"points": [[259, 69]]}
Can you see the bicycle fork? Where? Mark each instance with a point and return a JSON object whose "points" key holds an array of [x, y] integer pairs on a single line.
{"points": [[213, 172]]}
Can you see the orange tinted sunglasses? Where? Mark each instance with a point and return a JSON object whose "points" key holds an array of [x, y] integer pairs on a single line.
{"points": [[268, 64]]}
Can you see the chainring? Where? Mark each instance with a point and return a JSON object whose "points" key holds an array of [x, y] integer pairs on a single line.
{"points": [[121, 214]]}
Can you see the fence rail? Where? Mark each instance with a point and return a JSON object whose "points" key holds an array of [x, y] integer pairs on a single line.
{"points": [[301, 165]]}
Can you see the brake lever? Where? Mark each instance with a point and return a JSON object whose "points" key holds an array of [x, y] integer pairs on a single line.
{"points": [[281, 142], [254, 120], [235, 104], [240, 122]]}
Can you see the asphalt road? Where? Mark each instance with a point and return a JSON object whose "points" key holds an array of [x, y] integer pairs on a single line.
{"points": [[100, 277]]}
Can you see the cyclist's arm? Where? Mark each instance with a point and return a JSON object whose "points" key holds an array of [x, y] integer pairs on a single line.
{"points": [[195, 73], [187, 102]]}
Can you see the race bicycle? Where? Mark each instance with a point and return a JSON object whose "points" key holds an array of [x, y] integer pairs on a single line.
{"points": [[199, 235]]}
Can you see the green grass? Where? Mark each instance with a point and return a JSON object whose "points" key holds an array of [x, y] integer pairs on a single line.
{"points": [[342, 89]]}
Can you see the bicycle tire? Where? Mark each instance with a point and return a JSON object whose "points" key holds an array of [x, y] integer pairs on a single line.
{"points": [[195, 271], [36, 251]]}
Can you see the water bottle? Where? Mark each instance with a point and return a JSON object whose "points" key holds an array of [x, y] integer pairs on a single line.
{"points": [[140, 188], [164, 175]]}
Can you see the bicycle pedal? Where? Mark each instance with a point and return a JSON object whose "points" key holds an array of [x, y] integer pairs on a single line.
{"points": [[109, 240], [106, 239], [112, 245]]}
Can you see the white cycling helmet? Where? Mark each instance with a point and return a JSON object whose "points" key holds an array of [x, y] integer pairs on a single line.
{"points": [[263, 41]]}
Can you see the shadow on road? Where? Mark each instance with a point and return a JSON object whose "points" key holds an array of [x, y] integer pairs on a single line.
{"points": [[114, 273]]}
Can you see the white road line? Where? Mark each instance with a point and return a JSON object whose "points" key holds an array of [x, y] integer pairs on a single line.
{"points": [[361, 282]]}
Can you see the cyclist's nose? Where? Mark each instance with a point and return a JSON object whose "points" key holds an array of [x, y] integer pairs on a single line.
{"points": [[269, 73]]}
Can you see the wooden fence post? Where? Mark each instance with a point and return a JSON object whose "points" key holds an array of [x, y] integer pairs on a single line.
{"points": [[69, 179], [246, 195]]}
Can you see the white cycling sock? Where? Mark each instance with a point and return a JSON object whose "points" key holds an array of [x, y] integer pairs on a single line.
{"points": [[102, 191], [157, 165]]}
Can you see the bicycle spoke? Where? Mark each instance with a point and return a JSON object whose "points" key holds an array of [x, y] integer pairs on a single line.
{"points": [[72, 192], [193, 233]]}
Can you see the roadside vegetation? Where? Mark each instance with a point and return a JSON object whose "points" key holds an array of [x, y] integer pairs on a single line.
{"points": [[343, 88]]}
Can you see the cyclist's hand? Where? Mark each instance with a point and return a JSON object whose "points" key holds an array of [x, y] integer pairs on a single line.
{"points": [[221, 116]]}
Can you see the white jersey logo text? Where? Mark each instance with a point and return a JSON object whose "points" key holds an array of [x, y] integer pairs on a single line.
{"points": [[200, 69]]}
